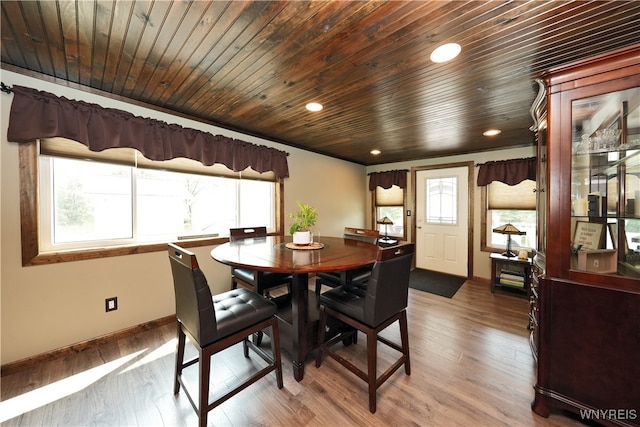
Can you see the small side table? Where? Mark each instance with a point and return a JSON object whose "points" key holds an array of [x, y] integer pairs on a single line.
{"points": [[510, 275]]}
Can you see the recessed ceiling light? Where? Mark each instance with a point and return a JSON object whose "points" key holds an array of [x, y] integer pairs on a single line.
{"points": [[492, 132], [375, 152], [314, 106], [446, 52]]}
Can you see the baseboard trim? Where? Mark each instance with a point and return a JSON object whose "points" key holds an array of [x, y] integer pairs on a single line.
{"points": [[26, 363], [481, 280]]}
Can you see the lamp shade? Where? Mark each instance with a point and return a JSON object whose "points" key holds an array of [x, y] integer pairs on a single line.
{"points": [[385, 221], [508, 229]]}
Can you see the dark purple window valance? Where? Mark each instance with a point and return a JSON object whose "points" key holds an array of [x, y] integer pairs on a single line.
{"points": [[388, 179], [36, 114], [511, 172]]}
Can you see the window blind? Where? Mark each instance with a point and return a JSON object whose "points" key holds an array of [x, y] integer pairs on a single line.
{"points": [[62, 147], [393, 196], [507, 197]]}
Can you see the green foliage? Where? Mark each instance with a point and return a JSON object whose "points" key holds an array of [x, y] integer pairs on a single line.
{"points": [[73, 209], [304, 219]]}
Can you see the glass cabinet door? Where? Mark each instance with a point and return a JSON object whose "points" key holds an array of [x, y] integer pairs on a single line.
{"points": [[605, 183]]}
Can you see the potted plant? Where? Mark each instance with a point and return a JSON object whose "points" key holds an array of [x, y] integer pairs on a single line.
{"points": [[303, 220]]}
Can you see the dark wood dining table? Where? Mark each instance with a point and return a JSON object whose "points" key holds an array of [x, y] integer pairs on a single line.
{"points": [[298, 318]]}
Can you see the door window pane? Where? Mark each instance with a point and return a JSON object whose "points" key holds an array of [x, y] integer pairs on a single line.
{"points": [[441, 199]]}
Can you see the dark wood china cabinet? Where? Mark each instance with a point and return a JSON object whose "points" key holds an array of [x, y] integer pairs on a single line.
{"points": [[585, 288]]}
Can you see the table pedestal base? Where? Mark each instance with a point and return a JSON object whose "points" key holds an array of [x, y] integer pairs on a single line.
{"points": [[302, 341], [299, 324]]}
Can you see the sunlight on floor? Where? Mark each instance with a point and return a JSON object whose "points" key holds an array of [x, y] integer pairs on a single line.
{"points": [[29, 401], [164, 350]]}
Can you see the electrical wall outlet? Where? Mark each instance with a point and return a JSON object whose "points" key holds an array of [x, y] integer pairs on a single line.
{"points": [[111, 304]]}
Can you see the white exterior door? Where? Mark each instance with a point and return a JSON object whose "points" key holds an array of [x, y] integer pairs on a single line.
{"points": [[442, 220]]}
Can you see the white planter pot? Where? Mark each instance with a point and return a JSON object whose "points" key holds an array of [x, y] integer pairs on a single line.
{"points": [[302, 237]]}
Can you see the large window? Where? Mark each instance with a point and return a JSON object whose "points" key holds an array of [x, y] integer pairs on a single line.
{"points": [[513, 204], [118, 199], [390, 203], [88, 203]]}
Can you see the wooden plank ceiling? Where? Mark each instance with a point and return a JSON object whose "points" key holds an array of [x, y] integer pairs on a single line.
{"points": [[252, 66]]}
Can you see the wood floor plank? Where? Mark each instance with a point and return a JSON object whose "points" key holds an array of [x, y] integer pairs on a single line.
{"points": [[470, 358]]}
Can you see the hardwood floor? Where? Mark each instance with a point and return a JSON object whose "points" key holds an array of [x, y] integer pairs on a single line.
{"points": [[470, 358]]}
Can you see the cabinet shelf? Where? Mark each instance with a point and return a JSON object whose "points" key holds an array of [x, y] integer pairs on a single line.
{"points": [[597, 260], [608, 165]]}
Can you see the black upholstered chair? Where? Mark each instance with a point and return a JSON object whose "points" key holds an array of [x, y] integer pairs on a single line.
{"points": [[216, 323], [333, 279], [370, 310], [259, 281]]}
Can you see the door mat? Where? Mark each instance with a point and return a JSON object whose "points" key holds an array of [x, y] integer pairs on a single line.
{"points": [[436, 283]]}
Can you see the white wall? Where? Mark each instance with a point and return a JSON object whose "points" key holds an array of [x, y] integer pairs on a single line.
{"points": [[52, 306]]}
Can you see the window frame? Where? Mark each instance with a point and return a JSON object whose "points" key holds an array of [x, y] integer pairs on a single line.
{"points": [[374, 215], [29, 218], [485, 224]]}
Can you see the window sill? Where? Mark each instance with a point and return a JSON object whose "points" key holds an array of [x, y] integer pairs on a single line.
{"points": [[43, 258]]}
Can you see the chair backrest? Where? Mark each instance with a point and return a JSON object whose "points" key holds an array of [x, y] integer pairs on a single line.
{"points": [[246, 232], [194, 305], [388, 286], [363, 234]]}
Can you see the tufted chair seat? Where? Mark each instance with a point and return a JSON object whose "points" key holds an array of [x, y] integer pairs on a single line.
{"points": [[238, 309]]}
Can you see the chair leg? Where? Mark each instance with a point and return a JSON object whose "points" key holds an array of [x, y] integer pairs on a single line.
{"points": [[203, 407], [275, 350], [370, 376], [257, 338], [372, 358], [179, 360], [321, 328], [404, 336]]}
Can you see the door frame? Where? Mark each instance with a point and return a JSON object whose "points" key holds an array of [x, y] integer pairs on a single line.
{"points": [[470, 216]]}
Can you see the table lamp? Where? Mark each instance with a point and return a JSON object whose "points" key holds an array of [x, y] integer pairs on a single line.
{"points": [[508, 229], [386, 221]]}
